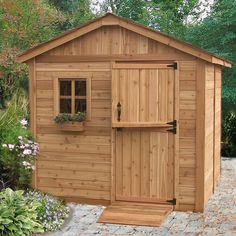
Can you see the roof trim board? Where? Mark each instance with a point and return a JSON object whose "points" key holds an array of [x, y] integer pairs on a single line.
{"points": [[110, 19]]}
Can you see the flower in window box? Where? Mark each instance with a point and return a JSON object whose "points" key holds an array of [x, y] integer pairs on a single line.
{"points": [[68, 122]]}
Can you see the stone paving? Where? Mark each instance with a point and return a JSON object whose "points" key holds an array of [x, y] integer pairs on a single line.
{"points": [[219, 217]]}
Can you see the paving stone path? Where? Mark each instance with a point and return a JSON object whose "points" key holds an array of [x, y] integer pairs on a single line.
{"points": [[219, 217]]}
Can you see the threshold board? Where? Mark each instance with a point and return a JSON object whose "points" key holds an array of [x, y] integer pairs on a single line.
{"points": [[130, 213]]}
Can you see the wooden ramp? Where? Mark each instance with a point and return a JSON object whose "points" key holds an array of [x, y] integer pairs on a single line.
{"points": [[129, 213]]}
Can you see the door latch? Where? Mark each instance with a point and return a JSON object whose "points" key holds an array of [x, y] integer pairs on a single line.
{"points": [[118, 111]]}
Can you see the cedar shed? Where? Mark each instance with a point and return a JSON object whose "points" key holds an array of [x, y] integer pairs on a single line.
{"points": [[153, 116]]}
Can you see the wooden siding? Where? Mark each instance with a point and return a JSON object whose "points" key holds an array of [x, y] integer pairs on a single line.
{"points": [[209, 131], [217, 125], [187, 134], [115, 40], [74, 164]]}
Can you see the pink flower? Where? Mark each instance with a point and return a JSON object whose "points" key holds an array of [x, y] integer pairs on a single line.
{"points": [[27, 152], [24, 122]]}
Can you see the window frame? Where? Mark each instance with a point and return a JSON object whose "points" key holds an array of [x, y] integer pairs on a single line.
{"points": [[58, 96]]}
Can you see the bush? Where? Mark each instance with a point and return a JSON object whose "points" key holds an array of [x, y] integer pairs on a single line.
{"points": [[18, 216], [21, 155], [51, 213], [229, 135], [12, 171]]}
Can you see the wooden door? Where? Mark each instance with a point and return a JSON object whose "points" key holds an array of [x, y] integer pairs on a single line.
{"points": [[146, 95], [144, 148]]}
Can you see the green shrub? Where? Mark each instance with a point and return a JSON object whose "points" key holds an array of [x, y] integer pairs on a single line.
{"points": [[12, 172], [51, 213], [62, 118], [229, 135], [18, 216]]}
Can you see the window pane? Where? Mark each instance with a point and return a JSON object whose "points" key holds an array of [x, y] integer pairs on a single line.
{"points": [[65, 88], [80, 105], [80, 88], [65, 105]]}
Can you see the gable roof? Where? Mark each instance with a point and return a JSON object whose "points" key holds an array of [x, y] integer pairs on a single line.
{"points": [[111, 19]]}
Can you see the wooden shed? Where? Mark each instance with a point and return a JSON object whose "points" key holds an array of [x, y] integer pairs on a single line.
{"points": [[153, 126]]}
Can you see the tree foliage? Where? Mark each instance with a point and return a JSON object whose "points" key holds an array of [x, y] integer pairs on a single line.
{"points": [[136, 10], [24, 23], [217, 34], [76, 12], [172, 17]]}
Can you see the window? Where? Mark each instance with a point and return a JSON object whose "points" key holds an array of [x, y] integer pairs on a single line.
{"points": [[72, 95]]}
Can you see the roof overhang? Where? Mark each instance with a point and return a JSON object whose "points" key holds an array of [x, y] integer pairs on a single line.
{"points": [[110, 19]]}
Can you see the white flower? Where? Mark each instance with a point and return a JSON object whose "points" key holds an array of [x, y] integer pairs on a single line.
{"points": [[11, 146], [27, 152], [24, 122], [19, 137], [33, 167], [25, 163], [4, 145]]}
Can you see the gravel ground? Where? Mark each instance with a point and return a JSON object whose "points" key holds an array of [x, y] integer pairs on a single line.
{"points": [[219, 217]]}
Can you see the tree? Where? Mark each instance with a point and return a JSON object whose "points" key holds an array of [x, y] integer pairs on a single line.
{"points": [[24, 23], [136, 10], [217, 34], [172, 17], [77, 12]]}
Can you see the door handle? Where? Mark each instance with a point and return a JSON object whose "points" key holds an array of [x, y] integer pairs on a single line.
{"points": [[118, 111]]}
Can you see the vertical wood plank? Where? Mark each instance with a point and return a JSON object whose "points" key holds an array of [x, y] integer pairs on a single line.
{"points": [[56, 96], [162, 85], [217, 125], [170, 166], [200, 136], [88, 98], [162, 166], [73, 96], [145, 164], [32, 96], [133, 94], [154, 154], [176, 136], [135, 164], [124, 94], [115, 93], [170, 95], [144, 96], [119, 164], [153, 92], [113, 165], [127, 147]]}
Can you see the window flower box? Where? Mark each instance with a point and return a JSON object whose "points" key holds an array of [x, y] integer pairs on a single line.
{"points": [[71, 126], [68, 122]]}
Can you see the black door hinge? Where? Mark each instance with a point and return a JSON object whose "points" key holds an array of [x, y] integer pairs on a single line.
{"points": [[173, 201], [174, 65], [174, 128]]}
